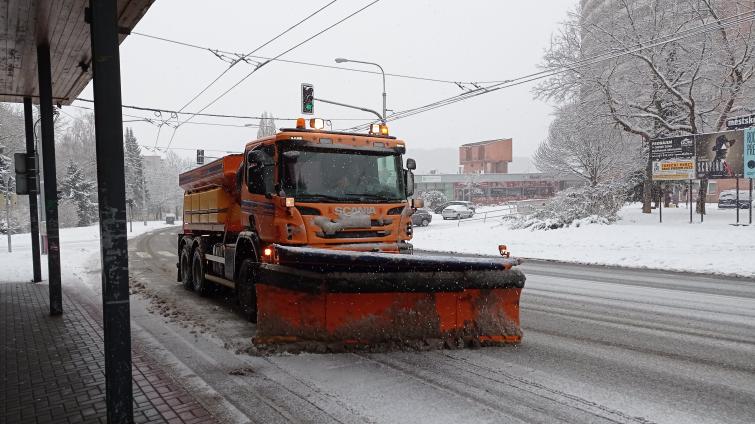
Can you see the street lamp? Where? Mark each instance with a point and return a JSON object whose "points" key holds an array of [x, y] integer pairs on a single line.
{"points": [[342, 60]]}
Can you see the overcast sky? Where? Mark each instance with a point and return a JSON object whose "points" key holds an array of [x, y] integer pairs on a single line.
{"points": [[450, 40]]}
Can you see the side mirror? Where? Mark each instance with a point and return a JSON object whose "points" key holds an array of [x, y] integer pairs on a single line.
{"points": [[417, 203], [409, 183], [291, 155], [254, 158], [411, 164]]}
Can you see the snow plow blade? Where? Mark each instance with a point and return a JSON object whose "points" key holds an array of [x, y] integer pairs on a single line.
{"points": [[326, 300]]}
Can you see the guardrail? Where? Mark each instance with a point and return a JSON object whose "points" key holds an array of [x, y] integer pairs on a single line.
{"points": [[509, 210]]}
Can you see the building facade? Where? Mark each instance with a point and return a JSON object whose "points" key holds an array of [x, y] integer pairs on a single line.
{"points": [[493, 188], [486, 157]]}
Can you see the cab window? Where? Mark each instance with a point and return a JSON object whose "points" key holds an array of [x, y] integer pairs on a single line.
{"points": [[261, 177]]}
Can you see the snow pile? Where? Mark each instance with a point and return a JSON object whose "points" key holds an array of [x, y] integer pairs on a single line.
{"points": [[79, 253], [578, 206], [634, 240]]}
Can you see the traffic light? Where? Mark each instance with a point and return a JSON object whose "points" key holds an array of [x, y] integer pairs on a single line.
{"points": [[200, 157], [22, 183], [307, 99]]}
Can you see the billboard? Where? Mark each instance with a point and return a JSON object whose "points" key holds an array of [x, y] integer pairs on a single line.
{"points": [[720, 155], [673, 158], [749, 158]]}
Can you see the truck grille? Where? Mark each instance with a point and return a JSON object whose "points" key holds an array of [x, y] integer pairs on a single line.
{"points": [[354, 234]]}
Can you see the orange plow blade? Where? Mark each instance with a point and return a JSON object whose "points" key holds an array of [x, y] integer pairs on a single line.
{"points": [[318, 300]]}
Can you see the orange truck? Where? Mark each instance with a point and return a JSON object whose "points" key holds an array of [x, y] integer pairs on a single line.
{"points": [[311, 230]]}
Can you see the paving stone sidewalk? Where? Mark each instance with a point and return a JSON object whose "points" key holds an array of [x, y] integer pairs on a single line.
{"points": [[52, 369]]}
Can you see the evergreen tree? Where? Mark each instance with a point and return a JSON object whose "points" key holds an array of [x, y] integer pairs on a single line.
{"points": [[5, 171], [267, 125], [79, 191], [136, 187]]}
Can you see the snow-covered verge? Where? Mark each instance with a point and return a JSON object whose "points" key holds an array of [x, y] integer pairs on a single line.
{"points": [[636, 240], [78, 246]]}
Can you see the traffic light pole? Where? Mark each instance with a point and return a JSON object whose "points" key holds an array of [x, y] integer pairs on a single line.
{"points": [[7, 213], [32, 175], [364, 109]]}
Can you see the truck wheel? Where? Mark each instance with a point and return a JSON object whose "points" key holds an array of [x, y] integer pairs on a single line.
{"points": [[245, 289], [200, 284], [186, 269]]}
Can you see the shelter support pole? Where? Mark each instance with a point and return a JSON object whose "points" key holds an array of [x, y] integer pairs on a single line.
{"points": [[32, 175], [750, 201], [51, 183], [111, 193]]}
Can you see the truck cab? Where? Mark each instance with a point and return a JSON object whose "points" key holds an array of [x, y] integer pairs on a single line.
{"points": [[329, 190]]}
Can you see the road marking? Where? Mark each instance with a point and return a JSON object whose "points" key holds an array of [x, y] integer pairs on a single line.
{"points": [[143, 255], [167, 254]]}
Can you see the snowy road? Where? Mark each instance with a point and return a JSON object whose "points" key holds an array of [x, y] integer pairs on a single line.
{"points": [[601, 345]]}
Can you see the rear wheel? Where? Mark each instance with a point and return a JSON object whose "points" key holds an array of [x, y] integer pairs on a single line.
{"points": [[199, 283], [245, 289], [425, 222], [186, 269]]}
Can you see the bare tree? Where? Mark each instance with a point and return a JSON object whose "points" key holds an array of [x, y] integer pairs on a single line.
{"points": [[666, 68], [589, 147]]}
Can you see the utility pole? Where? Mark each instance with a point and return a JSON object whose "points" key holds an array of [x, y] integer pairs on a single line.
{"points": [[7, 213]]}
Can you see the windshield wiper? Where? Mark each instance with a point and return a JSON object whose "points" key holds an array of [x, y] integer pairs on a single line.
{"points": [[372, 196], [319, 198]]}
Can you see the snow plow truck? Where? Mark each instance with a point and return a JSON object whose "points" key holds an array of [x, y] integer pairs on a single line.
{"points": [[311, 228]]}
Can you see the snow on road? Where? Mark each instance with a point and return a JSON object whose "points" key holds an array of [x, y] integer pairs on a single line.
{"points": [[637, 240], [79, 253]]}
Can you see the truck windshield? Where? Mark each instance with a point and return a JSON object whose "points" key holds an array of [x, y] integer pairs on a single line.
{"points": [[342, 176]]}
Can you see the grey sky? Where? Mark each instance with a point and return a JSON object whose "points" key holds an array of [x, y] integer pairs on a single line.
{"points": [[469, 41]]}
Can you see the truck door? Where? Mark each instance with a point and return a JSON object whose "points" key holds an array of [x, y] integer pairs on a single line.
{"points": [[260, 183]]}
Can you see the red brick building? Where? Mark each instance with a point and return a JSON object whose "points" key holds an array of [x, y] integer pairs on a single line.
{"points": [[486, 157]]}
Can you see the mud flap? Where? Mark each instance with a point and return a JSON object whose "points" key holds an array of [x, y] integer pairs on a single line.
{"points": [[333, 301]]}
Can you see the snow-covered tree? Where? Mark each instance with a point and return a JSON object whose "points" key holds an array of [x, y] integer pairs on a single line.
{"points": [[136, 187], [79, 191], [589, 147], [267, 125], [668, 84], [433, 198]]}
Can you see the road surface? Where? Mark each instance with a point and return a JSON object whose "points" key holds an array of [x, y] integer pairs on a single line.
{"points": [[601, 345]]}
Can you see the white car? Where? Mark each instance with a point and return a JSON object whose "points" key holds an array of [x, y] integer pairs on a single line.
{"points": [[457, 212]]}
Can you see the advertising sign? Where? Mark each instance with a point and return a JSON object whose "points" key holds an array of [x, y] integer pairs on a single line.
{"points": [[749, 153], [720, 155], [673, 158], [740, 122]]}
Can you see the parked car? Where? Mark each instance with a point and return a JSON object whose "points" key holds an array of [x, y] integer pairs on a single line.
{"points": [[457, 212], [469, 205], [421, 218], [727, 199], [170, 218]]}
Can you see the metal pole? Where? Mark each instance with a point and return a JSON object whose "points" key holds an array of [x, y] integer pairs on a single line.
{"points": [[737, 200], [689, 200], [51, 183], [32, 175], [660, 205], [111, 194], [7, 213], [750, 201]]}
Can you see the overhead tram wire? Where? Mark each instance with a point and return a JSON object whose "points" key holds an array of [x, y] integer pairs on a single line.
{"points": [[276, 57], [243, 58], [699, 30], [298, 62]]}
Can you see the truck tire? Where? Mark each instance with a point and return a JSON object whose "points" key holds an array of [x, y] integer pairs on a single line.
{"points": [[185, 263], [198, 269], [245, 289]]}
